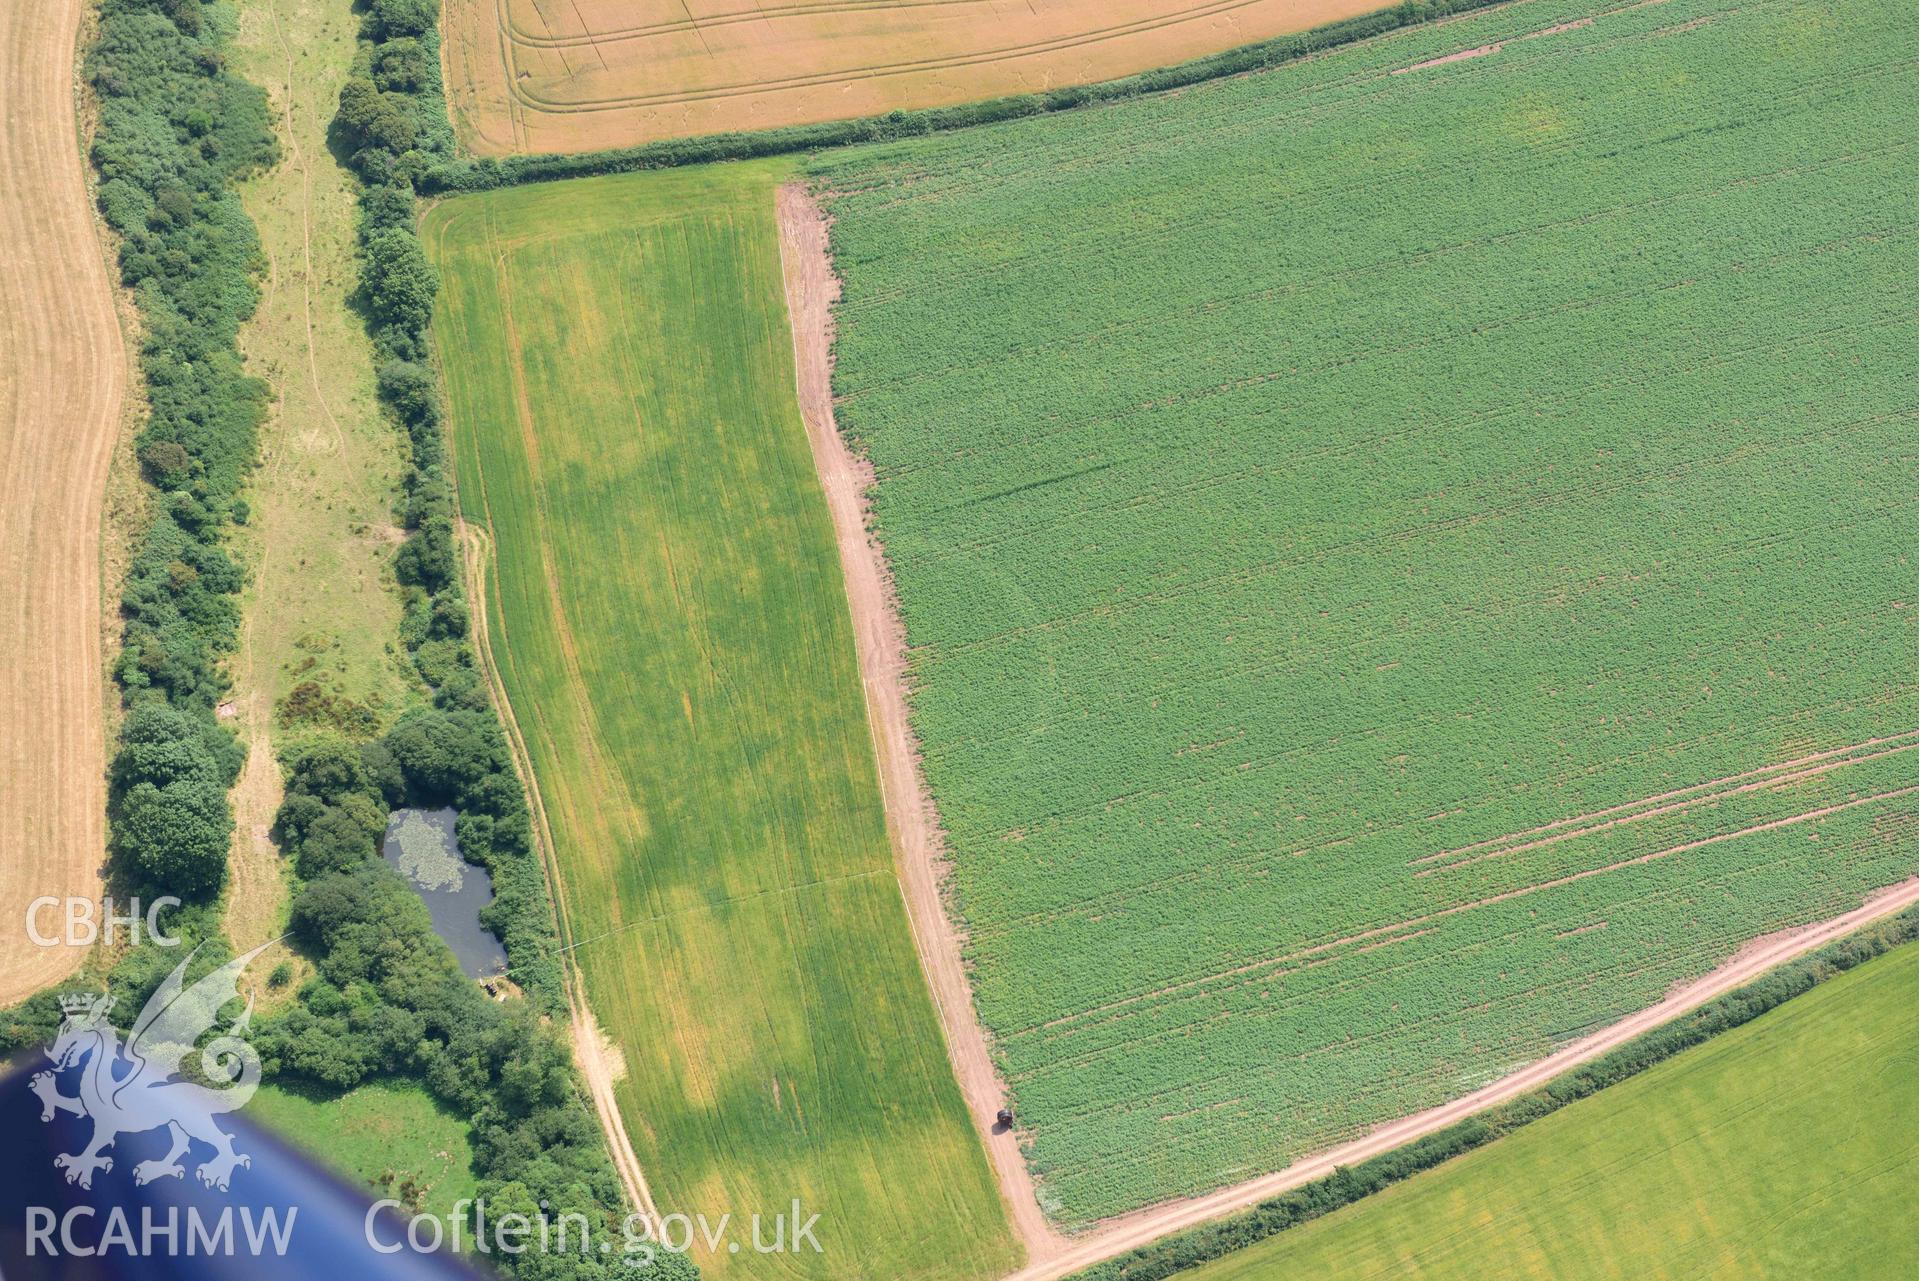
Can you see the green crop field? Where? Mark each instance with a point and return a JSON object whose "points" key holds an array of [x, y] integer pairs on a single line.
{"points": [[1407, 556], [671, 628], [1777, 1151]]}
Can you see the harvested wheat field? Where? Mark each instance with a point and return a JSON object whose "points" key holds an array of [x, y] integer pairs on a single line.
{"points": [[538, 75], [62, 376]]}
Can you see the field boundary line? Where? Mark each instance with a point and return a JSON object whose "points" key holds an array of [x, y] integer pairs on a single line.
{"points": [[1114, 1237], [912, 823]]}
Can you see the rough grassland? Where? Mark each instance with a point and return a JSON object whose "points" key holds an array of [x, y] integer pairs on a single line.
{"points": [[321, 609], [389, 1138], [1777, 1151], [536, 76], [1401, 568], [670, 626], [323, 606]]}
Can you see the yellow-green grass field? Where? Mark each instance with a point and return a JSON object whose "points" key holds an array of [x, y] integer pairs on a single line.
{"points": [[1783, 1149], [670, 627], [389, 1137]]}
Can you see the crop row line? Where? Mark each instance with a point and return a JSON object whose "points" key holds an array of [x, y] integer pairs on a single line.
{"points": [[1504, 896]]}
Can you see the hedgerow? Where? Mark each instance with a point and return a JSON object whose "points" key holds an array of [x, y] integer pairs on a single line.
{"points": [[487, 173], [393, 125]]}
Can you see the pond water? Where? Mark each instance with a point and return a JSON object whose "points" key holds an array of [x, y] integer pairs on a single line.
{"points": [[420, 845]]}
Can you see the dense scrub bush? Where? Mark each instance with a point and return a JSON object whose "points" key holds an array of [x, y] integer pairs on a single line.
{"points": [[400, 65], [389, 999], [176, 130], [401, 18], [175, 835]]}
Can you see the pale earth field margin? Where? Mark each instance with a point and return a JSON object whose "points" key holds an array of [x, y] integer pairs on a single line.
{"points": [[880, 638], [63, 381]]}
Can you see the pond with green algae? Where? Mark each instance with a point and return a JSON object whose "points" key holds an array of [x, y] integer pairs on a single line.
{"points": [[421, 846]]}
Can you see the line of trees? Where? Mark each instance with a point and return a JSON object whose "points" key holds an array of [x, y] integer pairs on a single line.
{"points": [[1189, 1249], [176, 130], [392, 124]]}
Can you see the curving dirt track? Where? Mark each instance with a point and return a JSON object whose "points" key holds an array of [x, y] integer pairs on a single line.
{"points": [[597, 1067], [880, 639], [811, 287], [63, 374]]}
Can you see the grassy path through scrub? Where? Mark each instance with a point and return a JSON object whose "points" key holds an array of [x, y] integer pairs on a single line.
{"points": [[669, 621], [1782, 1149], [321, 614]]}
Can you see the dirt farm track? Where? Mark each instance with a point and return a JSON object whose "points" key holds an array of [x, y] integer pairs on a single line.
{"points": [[62, 379], [576, 75]]}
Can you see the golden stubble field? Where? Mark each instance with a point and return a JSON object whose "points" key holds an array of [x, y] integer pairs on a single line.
{"points": [[62, 380], [542, 75]]}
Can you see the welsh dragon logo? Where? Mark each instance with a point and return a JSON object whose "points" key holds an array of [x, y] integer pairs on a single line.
{"points": [[132, 1087]]}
